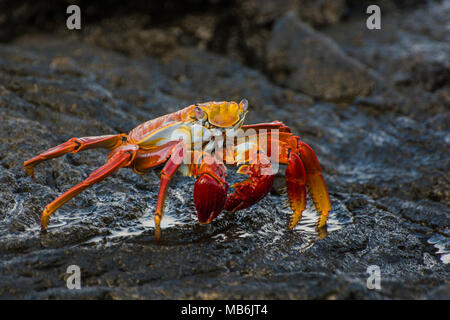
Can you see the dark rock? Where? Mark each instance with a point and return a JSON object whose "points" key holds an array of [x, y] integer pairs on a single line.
{"points": [[384, 158], [302, 59], [412, 53], [315, 13]]}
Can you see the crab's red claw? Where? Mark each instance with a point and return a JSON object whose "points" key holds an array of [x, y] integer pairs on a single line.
{"points": [[295, 183], [252, 190], [233, 202], [210, 189], [316, 185], [209, 197]]}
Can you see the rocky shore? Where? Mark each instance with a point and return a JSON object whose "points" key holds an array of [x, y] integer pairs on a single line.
{"points": [[373, 104]]}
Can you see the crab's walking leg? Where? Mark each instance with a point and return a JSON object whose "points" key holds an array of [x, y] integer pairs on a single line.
{"points": [[121, 157], [167, 173], [303, 167], [295, 177], [316, 184], [295, 183], [75, 145], [289, 144], [275, 125]]}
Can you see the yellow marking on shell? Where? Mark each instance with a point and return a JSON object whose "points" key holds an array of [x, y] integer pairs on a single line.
{"points": [[163, 135], [181, 133], [155, 142], [223, 114]]}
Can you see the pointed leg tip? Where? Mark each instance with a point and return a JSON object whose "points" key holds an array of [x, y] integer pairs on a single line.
{"points": [[44, 220], [322, 222], [322, 231], [294, 220], [44, 231], [157, 218], [158, 235], [297, 212]]}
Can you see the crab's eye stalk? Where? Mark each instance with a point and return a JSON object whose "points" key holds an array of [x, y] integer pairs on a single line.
{"points": [[244, 104], [199, 113]]}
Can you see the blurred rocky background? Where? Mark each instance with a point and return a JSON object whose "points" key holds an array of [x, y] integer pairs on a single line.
{"points": [[373, 104]]}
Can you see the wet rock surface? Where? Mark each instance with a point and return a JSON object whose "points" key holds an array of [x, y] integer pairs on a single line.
{"points": [[385, 158]]}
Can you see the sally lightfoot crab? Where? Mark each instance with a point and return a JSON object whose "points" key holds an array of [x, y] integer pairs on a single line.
{"points": [[199, 141]]}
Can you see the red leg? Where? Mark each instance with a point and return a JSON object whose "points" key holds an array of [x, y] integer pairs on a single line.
{"points": [[316, 184], [121, 157], [74, 145], [308, 169], [295, 183], [267, 126], [303, 167], [167, 173]]}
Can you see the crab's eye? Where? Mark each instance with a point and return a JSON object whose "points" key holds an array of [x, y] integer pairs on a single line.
{"points": [[199, 113], [244, 104]]}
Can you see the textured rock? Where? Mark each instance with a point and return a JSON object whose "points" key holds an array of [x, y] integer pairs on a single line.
{"points": [[316, 13], [385, 160], [302, 59]]}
